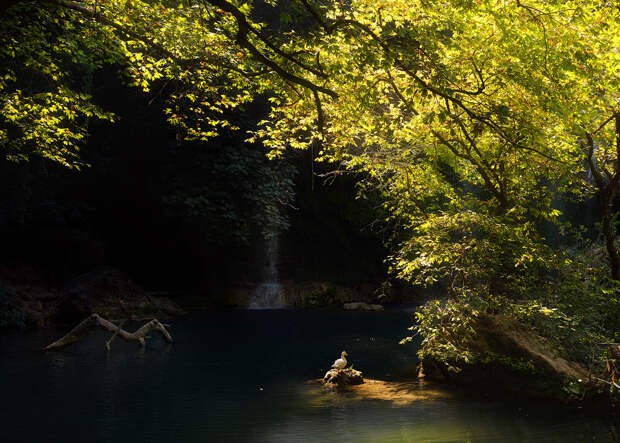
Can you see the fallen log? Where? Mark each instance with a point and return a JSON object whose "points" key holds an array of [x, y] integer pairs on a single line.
{"points": [[93, 321]]}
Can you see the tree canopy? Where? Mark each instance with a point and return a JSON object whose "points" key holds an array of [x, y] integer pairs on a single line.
{"points": [[471, 116]]}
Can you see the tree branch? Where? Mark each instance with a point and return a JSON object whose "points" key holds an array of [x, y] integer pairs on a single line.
{"points": [[283, 54], [243, 28], [314, 13], [598, 178]]}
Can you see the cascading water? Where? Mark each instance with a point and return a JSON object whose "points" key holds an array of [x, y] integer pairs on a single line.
{"points": [[268, 294]]}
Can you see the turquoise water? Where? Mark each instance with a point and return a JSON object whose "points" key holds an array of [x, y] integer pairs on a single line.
{"points": [[241, 376]]}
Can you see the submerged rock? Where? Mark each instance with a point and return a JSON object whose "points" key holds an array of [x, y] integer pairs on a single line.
{"points": [[343, 377], [399, 393]]}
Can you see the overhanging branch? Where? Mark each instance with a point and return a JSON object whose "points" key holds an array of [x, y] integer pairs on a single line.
{"points": [[242, 39]]}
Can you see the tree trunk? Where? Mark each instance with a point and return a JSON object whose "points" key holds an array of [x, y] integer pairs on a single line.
{"points": [[608, 190], [613, 363], [94, 321], [608, 232]]}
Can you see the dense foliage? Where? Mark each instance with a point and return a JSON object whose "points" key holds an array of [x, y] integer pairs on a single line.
{"points": [[471, 118], [476, 117]]}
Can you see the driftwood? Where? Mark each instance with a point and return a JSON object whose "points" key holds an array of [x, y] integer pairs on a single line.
{"points": [[94, 321]]}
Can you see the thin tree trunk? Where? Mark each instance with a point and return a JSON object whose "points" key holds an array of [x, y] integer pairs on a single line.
{"points": [[608, 232], [609, 196], [608, 190]]}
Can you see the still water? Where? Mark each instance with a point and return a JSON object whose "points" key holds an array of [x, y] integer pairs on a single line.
{"points": [[241, 376]]}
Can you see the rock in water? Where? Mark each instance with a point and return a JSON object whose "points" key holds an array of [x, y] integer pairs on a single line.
{"points": [[361, 306], [343, 377]]}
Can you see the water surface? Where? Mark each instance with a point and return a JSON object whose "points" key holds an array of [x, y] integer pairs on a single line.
{"points": [[241, 376]]}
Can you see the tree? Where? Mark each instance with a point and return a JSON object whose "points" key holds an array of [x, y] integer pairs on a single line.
{"points": [[50, 49], [473, 116], [470, 115]]}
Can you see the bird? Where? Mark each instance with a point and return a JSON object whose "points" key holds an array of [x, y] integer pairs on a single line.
{"points": [[341, 362]]}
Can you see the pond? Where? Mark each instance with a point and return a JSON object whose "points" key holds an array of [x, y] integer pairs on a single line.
{"points": [[242, 376]]}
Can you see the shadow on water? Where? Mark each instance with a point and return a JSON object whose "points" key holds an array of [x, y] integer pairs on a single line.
{"points": [[242, 376]]}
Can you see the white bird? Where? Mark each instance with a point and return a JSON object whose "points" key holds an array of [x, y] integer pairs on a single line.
{"points": [[341, 362]]}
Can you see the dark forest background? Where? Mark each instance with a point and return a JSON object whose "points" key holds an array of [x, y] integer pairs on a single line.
{"points": [[181, 216]]}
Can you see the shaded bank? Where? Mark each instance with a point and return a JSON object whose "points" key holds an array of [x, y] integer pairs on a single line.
{"points": [[509, 358]]}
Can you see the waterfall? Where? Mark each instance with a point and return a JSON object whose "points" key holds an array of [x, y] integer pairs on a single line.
{"points": [[268, 294]]}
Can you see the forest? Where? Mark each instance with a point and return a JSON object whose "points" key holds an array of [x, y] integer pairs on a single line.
{"points": [[431, 185]]}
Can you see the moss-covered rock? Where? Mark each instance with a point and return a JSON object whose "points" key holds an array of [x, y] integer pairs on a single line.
{"points": [[508, 356]]}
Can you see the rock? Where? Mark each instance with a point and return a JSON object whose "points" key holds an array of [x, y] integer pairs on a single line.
{"points": [[31, 297], [112, 293], [362, 306], [315, 293], [304, 294], [343, 377], [25, 306], [166, 305]]}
